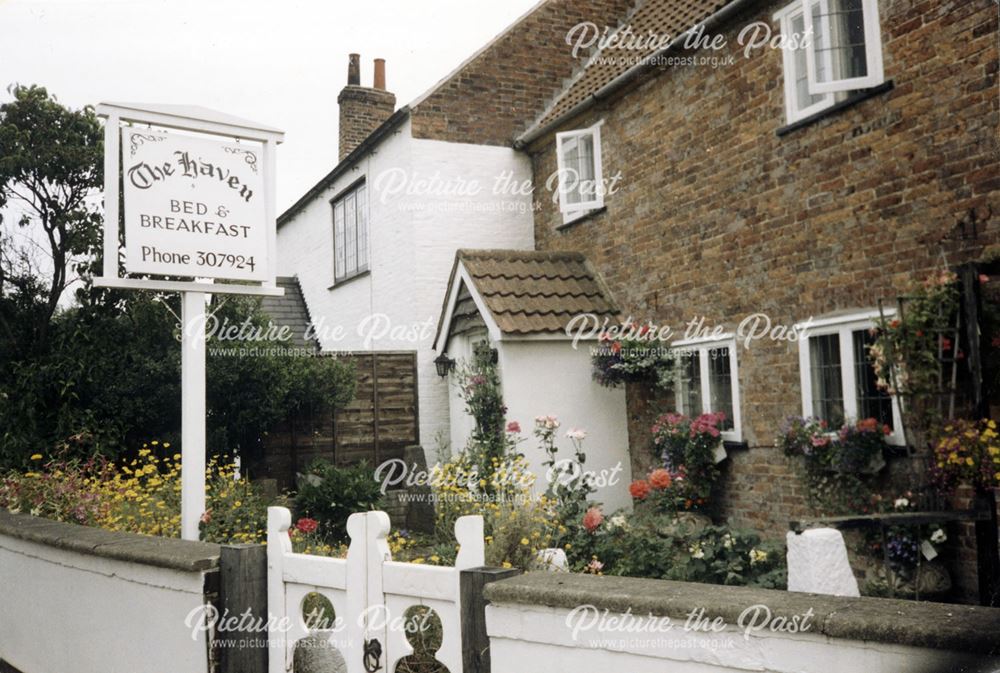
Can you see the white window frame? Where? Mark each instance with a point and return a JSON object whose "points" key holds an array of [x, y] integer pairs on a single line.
{"points": [[793, 113], [360, 192], [873, 50], [574, 211], [844, 326], [703, 348]]}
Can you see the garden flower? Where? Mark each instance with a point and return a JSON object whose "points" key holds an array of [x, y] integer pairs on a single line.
{"points": [[547, 422], [938, 536], [514, 427], [639, 489], [595, 566], [697, 551], [757, 556], [592, 519], [577, 434], [901, 503], [307, 525], [37, 456], [660, 479]]}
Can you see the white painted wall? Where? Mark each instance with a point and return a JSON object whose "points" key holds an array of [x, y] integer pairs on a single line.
{"points": [[540, 635], [550, 377], [66, 611], [413, 239]]}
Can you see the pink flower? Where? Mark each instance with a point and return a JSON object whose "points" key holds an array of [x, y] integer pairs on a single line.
{"points": [[660, 479], [206, 517], [983, 278], [639, 489], [514, 427], [307, 525], [592, 519], [595, 566], [577, 434]]}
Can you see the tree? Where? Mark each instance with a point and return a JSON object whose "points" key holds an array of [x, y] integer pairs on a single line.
{"points": [[50, 165], [103, 375]]}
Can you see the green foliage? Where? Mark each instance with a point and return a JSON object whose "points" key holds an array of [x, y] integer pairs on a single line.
{"points": [[479, 386], [330, 494], [111, 379], [683, 549]]}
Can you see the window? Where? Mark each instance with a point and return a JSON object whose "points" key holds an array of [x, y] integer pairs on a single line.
{"points": [[581, 184], [350, 234], [838, 382], [830, 50], [708, 381]]}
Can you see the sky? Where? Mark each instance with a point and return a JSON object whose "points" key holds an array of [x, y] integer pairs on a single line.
{"points": [[278, 62]]}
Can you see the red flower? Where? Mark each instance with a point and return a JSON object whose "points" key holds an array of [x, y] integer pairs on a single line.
{"points": [[592, 519], [659, 479], [945, 343], [307, 525], [514, 427], [639, 489], [894, 324]]}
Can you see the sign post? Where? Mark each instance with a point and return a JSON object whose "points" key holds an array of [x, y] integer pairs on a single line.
{"points": [[198, 204]]}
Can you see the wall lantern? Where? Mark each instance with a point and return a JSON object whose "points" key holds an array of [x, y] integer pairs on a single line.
{"points": [[443, 364]]}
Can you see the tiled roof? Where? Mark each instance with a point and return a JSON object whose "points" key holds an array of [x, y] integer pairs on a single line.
{"points": [[290, 310], [532, 292], [660, 17]]}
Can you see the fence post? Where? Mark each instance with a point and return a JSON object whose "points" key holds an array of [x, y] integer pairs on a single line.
{"points": [[243, 590], [475, 640], [279, 520]]}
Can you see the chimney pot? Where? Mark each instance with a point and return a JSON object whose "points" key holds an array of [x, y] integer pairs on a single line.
{"points": [[380, 74], [354, 70]]}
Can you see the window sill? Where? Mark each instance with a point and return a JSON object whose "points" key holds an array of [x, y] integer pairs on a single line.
{"points": [[590, 214], [850, 101], [348, 279], [733, 445]]}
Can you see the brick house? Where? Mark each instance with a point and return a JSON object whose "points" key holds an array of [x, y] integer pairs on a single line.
{"points": [[371, 244], [743, 191]]}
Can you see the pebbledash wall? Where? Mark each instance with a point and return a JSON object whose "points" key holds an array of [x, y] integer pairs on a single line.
{"points": [[570, 623], [92, 601], [719, 216], [413, 239]]}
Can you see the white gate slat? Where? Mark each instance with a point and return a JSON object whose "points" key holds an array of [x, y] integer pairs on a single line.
{"points": [[316, 570], [369, 591]]}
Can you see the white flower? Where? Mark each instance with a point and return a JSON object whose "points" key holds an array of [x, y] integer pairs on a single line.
{"points": [[36, 511], [757, 556], [696, 550], [577, 434], [901, 503], [618, 521], [727, 541], [938, 536]]}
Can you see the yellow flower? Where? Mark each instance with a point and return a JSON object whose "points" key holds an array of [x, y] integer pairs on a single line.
{"points": [[36, 456], [525, 541]]}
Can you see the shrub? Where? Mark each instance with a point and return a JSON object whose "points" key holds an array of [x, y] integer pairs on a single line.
{"points": [[330, 494], [688, 448]]}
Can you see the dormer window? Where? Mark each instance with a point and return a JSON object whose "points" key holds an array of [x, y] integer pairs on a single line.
{"points": [[580, 176], [832, 48]]}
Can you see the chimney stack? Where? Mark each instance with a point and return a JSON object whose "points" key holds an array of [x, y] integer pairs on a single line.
{"points": [[354, 69], [362, 109]]}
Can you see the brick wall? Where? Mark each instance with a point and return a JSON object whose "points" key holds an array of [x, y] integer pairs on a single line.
{"points": [[507, 85], [719, 217], [362, 110]]}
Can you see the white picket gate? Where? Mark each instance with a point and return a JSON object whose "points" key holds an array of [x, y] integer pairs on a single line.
{"points": [[368, 590]]}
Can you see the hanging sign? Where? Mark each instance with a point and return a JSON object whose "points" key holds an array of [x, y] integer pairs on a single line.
{"points": [[193, 206]]}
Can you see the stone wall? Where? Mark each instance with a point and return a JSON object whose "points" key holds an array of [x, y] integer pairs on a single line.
{"points": [[588, 624], [87, 600]]}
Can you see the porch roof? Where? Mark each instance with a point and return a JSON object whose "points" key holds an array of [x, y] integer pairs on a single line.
{"points": [[526, 292]]}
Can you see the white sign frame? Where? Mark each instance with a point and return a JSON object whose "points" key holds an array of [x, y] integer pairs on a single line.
{"points": [[199, 120]]}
